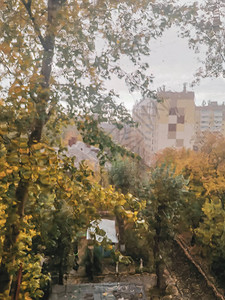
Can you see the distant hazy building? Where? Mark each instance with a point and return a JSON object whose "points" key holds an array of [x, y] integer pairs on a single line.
{"points": [[141, 139], [145, 113], [169, 123], [123, 137], [210, 117], [174, 121]]}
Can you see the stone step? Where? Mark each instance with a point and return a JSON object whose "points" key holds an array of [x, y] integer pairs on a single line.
{"points": [[98, 291]]}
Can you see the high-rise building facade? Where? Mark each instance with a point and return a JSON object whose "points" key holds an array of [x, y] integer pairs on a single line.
{"points": [[175, 121], [210, 117], [168, 123]]}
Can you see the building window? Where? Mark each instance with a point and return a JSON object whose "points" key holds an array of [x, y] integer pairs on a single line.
{"points": [[218, 113], [205, 113], [173, 111], [204, 128], [180, 120], [172, 127]]}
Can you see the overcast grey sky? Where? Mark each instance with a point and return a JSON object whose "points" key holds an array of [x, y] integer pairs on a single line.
{"points": [[172, 63]]}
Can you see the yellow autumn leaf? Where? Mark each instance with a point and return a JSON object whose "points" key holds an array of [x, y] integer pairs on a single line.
{"points": [[2, 174]]}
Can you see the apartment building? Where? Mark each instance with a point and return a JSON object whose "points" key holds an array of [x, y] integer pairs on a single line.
{"points": [[145, 114], [210, 117], [168, 123], [175, 121]]}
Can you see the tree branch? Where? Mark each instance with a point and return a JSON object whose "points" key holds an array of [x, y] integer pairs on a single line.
{"points": [[6, 66], [27, 5]]}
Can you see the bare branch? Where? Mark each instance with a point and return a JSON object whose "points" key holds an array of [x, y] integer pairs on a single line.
{"points": [[6, 66], [222, 56]]}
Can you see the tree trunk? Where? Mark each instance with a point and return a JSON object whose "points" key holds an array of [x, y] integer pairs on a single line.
{"points": [[156, 249], [60, 278], [157, 256], [120, 222], [61, 253], [48, 43], [18, 283], [12, 234]]}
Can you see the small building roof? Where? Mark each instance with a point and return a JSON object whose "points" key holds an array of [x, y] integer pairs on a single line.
{"points": [[109, 227]]}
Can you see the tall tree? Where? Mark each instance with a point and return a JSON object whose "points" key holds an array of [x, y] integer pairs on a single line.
{"points": [[194, 167], [55, 56], [164, 208]]}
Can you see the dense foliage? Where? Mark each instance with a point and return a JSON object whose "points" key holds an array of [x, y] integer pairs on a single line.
{"points": [[55, 60], [205, 201], [55, 57]]}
